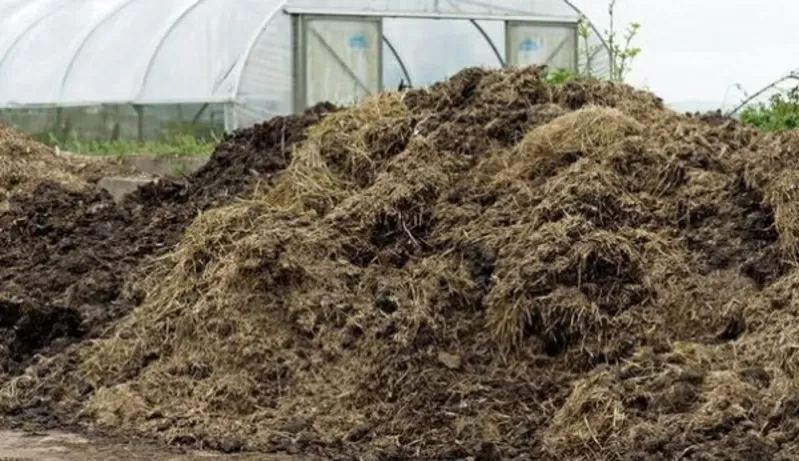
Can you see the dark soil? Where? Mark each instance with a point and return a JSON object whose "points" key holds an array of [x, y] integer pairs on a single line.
{"points": [[65, 257]]}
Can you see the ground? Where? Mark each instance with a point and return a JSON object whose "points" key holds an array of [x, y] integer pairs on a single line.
{"points": [[61, 446]]}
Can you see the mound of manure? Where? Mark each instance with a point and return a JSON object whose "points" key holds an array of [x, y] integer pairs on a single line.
{"points": [[69, 254], [494, 267]]}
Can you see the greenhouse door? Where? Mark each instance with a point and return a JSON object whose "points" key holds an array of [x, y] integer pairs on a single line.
{"points": [[340, 59], [542, 43]]}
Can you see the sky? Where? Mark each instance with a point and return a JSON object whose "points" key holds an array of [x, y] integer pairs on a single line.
{"points": [[696, 51]]}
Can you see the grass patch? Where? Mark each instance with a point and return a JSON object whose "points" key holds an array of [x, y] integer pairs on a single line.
{"points": [[780, 113], [177, 145]]}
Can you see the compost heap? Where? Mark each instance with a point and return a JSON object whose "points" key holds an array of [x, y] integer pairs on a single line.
{"points": [[495, 267], [67, 250], [23, 163]]}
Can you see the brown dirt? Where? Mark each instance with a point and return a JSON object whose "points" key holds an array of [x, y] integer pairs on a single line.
{"points": [[68, 249], [24, 163], [60, 446], [495, 267]]}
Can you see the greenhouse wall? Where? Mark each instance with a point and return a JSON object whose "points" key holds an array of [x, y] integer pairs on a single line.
{"points": [[150, 69], [267, 77], [160, 122]]}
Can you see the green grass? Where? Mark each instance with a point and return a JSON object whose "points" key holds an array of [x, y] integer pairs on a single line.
{"points": [[177, 145], [559, 76], [780, 113]]}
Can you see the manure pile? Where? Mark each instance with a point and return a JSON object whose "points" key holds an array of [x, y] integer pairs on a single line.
{"points": [[495, 267], [68, 251]]}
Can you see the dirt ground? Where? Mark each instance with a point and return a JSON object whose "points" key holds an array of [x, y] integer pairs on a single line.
{"points": [[496, 267], [58, 446], [68, 249]]}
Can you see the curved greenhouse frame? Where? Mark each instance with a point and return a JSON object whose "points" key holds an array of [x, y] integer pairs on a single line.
{"points": [[95, 64]]}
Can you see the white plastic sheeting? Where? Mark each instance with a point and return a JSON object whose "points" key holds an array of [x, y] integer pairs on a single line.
{"points": [[81, 52], [61, 53]]}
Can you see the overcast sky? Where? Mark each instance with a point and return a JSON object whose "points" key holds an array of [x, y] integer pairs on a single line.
{"points": [[695, 50]]}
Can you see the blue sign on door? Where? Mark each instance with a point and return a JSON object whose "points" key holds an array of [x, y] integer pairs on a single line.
{"points": [[359, 42], [528, 45]]}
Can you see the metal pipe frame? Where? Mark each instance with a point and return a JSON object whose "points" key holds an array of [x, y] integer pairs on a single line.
{"points": [[28, 29], [596, 32], [161, 40], [427, 15], [89, 31], [500, 56], [251, 45], [399, 60]]}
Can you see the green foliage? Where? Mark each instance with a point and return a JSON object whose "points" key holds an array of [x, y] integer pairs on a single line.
{"points": [[176, 145], [559, 76], [623, 54], [780, 113], [622, 51]]}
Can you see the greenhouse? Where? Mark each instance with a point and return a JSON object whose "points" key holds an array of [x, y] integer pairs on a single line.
{"points": [[141, 69]]}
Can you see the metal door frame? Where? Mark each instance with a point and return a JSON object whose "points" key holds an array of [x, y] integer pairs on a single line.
{"points": [[299, 24], [574, 26]]}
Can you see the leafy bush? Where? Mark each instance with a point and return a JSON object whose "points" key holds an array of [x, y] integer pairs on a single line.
{"points": [[780, 113]]}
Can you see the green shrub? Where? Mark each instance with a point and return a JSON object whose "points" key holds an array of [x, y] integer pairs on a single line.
{"points": [[780, 113]]}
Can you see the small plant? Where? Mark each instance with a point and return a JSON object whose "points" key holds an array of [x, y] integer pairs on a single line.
{"points": [[622, 51], [559, 76], [780, 113]]}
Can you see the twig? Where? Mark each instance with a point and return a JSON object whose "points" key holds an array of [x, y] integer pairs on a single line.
{"points": [[794, 75]]}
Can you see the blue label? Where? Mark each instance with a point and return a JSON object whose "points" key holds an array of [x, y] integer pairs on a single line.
{"points": [[358, 42], [528, 45]]}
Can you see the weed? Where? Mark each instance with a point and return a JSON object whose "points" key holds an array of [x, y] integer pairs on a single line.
{"points": [[175, 145], [780, 113], [622, 52]]}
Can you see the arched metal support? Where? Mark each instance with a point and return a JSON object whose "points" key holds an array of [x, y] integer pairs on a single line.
{"points": [[493, 46], [500, 56], [199, 114], [790, 76], [28, 29], [596, 32], [250, 46], [75, 50], [399, 60], [489, 6], [226, 75], [160, 42]]}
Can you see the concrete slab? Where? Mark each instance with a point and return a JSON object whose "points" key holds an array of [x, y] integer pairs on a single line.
{"points": [[120, 186], [159, 165], [164, 165], [58, 446]]}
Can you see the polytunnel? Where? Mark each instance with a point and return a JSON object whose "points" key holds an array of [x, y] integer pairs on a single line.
{"points": [[138, 68]]}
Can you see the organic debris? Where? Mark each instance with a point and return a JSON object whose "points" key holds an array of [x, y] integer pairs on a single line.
{"points": [[67, 250], [495, 267], [24, 163]]}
